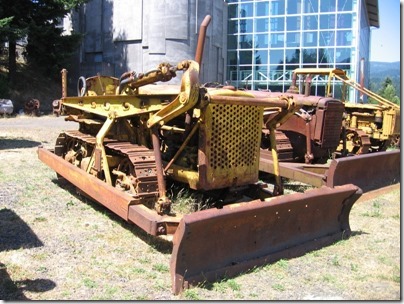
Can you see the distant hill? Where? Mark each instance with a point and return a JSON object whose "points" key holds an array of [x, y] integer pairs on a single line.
{"points": [[379, 71]]}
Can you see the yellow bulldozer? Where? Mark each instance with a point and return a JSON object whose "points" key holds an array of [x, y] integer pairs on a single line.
{"points": [[316, 143], [134, 136], [368, 127]]}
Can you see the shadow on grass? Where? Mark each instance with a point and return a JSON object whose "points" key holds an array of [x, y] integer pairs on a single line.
{"points": [[14, 290], [17, 143], [157, 243], [15, 233]]}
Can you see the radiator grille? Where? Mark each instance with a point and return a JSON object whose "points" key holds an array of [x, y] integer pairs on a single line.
{"points": [[331, 128], [235, 136]]}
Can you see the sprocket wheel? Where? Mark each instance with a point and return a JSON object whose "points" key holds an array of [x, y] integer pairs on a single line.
{"points": [[126, 180]]}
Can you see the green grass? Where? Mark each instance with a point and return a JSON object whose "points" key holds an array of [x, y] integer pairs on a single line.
{"points": [[89, 283], [192, 295], [161, 268], [278, 287], [89, 256], [233, 285]]}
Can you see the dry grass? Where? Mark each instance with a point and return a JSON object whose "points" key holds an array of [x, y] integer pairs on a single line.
{"points": [[56, 245]]}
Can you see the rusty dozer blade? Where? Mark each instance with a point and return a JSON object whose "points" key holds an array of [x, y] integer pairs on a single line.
{"points": [[221, 243], [367, 171]]}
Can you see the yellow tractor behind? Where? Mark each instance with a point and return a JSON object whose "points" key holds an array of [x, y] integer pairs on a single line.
{"points": [[315, 142]]}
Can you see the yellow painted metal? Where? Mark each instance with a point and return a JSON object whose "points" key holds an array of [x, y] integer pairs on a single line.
{"points": [[99, 161], [184, 175], [186, 99], [278, 181], [101, 85], [230, 152], [121, 105]]}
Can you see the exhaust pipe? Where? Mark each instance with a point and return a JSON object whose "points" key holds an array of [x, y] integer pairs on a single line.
{"points": [[201, 39]]}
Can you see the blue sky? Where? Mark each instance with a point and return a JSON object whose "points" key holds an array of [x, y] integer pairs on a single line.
{"points": [[385, 40]]}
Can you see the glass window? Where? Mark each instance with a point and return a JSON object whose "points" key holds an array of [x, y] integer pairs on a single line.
{"points": [[344, 38], [310, 6], [292, 39], [262, 9], [232, 58], [277, 7], [343, 67], [310, 22], [327, 38], [291, 68], [310, 39], [344, 5], [327, 21], [246, 10], [232, 26], [277, 40], [309, 56], [246, 25], [343, 55], [261, 56], [344, 21], [261, 40], [276, 73], [276, 56], [245, 41], [261, 25], [327, 5], [294, 6], [246, 57], [292, 56], [232, 72], [277, 24], [232, 42], [233, 11], [261, 72], [326, 55], [293, 23]]}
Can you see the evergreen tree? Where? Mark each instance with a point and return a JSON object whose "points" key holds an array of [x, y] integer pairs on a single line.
{"points": [[15, 15], [388, 91], [38, 21]]}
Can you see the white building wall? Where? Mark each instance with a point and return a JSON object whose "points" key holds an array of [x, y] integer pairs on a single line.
{"points": [[123, 35]]}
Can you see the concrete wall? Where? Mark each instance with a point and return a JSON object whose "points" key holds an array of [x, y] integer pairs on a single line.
{"points": [[123, 35]]}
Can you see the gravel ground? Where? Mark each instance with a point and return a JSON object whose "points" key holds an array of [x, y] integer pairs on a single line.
{"points": [[57, 245]]}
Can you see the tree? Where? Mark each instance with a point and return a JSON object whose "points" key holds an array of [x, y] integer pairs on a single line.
{"points": [[38, 21], [388, 91], [15, 15]]}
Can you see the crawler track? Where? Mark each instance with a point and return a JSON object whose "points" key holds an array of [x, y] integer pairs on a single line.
{"points": [[137, 162]]}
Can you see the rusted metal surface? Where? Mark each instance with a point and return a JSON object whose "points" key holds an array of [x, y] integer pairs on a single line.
{"points": [[116, 201], [296, 171], [56, 107], [31, 107], [217, 243], [121, 203], [312, 133], [368, 171], [201, 39]]}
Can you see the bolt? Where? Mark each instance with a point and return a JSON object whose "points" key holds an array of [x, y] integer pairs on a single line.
{"points": [[161, 230]]}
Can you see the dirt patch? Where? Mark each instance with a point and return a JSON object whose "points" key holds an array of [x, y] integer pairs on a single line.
{"points": [[57, 245]]}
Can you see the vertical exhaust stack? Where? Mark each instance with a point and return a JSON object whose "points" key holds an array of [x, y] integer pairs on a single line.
{"points": [[201, 39]]}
